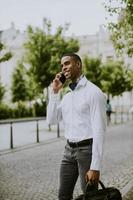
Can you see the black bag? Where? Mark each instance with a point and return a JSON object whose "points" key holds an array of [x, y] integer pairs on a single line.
{"points": [[110, 193]]}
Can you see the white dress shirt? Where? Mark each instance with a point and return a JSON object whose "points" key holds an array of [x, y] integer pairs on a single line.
{"points": [[83, 112]]}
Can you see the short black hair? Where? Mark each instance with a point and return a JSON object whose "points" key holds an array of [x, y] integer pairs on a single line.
{"points": [[74, 56]]}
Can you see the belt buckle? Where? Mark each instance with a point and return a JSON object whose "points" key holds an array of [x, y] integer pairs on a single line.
{"points": [[73, 144]]}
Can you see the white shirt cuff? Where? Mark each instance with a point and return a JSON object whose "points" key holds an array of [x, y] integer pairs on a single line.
{"points": [[95, 164]]}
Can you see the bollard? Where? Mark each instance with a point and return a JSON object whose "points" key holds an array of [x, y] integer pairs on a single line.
{"points": [[58, 130], [115, 117], [49, 127], [128, 116], [122, 117], [11, 136], [37, 132]]}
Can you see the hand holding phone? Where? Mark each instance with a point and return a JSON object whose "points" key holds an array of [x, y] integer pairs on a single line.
{"points": [[58, 82], [62, 78]]}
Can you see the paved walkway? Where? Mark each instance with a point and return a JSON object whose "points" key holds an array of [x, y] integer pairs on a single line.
{"points": [[31, 172]]}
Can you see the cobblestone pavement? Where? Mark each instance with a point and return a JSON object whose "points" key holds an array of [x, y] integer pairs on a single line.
{"points": [[31, 173]]}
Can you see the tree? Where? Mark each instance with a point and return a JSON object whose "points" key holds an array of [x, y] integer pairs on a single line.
{"points": [[43, 52], [129, 78], [33, 89], [2, 92], [114, 78], [19, 89], [6, 56], [19, 84], [3, 58], [92, 69], [122, 30]]}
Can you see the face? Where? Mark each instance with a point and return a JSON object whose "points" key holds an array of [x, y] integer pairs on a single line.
{"points": [[70, 68]]}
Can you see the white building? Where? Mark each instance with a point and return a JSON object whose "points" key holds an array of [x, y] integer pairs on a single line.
{"points": [[97, 45], [13, 40], [100, 45]]}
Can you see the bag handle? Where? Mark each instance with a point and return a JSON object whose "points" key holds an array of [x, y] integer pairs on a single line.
{"points": [[88, 185], [102, 185], [100, 182]]}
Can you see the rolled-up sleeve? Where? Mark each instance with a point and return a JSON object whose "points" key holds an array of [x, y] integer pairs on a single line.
{"points": [[98, 122]]}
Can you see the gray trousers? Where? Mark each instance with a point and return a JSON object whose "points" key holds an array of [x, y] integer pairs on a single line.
{"points": [[76, 162]]}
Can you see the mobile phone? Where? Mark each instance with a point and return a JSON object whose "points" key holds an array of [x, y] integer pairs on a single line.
{"points": [[62, 78]]}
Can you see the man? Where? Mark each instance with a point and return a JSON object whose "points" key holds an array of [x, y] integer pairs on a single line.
{"points": [[108, 111], [83, 110]]}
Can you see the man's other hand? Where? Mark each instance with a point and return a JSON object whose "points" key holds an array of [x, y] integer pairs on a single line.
{"points": [[92, 176]]}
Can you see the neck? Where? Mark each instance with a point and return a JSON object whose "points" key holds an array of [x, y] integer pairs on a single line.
{"points": [[76, 78]]}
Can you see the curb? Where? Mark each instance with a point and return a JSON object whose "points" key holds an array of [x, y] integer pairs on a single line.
{"points": [[30, 146]]}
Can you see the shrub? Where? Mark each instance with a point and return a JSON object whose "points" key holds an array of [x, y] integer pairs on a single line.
{"points": [[5, 111]]}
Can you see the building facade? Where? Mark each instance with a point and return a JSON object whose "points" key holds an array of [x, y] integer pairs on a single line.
{"points": [[13, 40], [97, 45]]}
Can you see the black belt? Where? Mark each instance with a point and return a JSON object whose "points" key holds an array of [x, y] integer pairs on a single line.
{"points": [[81, 143]]}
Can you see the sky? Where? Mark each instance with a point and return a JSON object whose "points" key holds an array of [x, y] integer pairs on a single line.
{"points": [[84, 16]]}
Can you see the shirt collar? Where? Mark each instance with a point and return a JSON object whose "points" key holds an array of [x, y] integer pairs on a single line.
{"points": [[81, 81]]}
